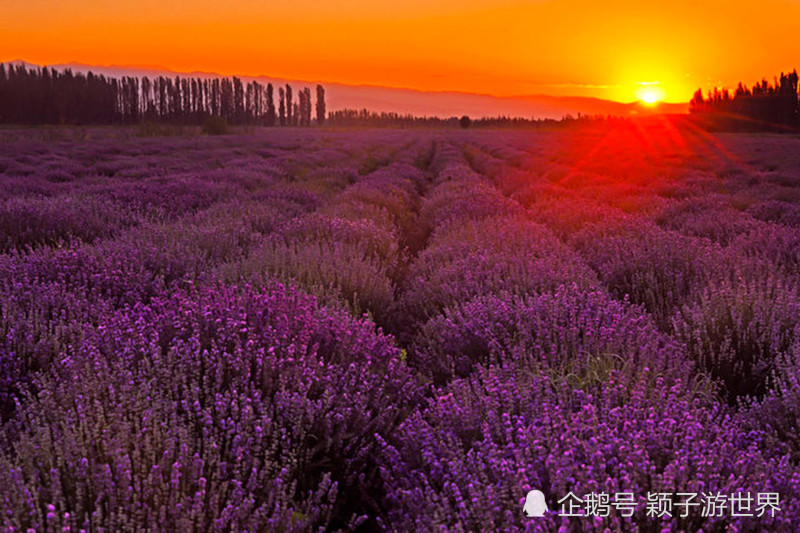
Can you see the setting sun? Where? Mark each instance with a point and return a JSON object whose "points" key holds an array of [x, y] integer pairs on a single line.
{"points": [[650, 93]]}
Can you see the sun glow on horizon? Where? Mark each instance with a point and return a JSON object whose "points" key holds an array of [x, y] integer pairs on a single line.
{"points": [[651, 93]]}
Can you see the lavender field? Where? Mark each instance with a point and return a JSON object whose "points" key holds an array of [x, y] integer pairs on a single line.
{"points": [[402, 330]]}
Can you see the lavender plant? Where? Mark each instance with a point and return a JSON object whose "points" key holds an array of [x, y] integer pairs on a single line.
{"points": [[565, 331], [738, 328], [216, 410], [460, 264], [654, 268], [467, 460]]}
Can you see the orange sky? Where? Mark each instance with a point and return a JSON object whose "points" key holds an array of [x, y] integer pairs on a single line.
{"points": [[502, 47]]}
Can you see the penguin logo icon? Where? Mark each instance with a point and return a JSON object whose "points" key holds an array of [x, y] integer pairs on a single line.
{"points": [[535, 504]]}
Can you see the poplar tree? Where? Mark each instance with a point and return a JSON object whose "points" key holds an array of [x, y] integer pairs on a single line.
{"points": [[282, 106], [270, 106], [320, 105]]}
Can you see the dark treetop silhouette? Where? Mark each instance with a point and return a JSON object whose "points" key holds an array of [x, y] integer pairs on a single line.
{"points": [[765, 107], [47, 96]]}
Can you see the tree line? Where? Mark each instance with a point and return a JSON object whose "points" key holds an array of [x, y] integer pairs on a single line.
{"points": [[367, 118], [48, 96], [63, 97], [764, 107]]}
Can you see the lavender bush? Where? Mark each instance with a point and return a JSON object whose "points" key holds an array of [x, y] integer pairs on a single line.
{"points": [[654, 268], [566, 331], [738, 329], [778, 413], [213, 410], [339, 273], [706, 217], [460, 264], [465, 462], [50, 298]]}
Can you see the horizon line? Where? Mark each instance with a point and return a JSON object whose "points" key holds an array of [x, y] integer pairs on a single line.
{"points": [[156, 68]]}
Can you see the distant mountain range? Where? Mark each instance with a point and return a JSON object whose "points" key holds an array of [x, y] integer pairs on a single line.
{"points": [[415, 102]]}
